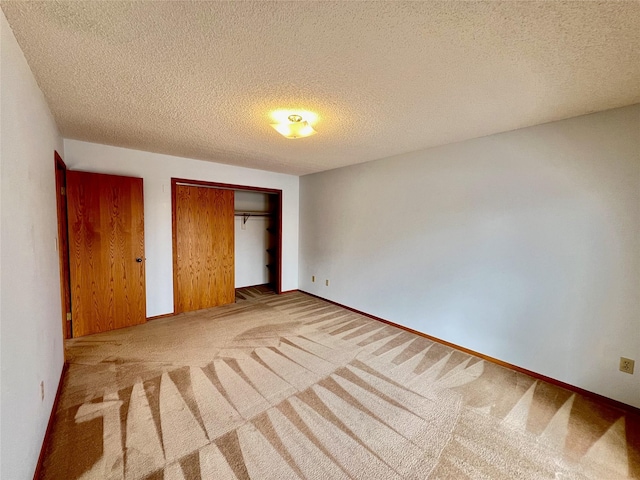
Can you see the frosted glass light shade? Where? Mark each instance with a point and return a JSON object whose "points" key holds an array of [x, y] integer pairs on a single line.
{"points": [[294, 129]]}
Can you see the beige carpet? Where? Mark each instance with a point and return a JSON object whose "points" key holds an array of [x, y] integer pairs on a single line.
{"points": [[278, 387]]}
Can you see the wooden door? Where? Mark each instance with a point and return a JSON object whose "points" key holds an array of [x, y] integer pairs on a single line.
{"points": [[63, 243], [204, 274], [106, 252]]}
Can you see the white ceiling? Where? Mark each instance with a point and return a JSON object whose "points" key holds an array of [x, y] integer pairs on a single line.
{"points": [[199, 79]]}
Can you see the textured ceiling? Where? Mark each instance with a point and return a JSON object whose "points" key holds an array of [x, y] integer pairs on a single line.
{"points": [[199, 79]]}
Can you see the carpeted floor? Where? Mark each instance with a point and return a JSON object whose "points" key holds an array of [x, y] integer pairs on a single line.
{"points": [[290, 386]]}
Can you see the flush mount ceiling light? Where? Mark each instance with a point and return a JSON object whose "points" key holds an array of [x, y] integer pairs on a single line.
{"points": [[294, 127]]}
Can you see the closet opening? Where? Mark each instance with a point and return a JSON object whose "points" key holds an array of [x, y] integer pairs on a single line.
{"points": [[256, 240], [227, 241]]}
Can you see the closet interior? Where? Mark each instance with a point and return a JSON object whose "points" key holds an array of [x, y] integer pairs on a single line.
{"points": [[256, 239]]}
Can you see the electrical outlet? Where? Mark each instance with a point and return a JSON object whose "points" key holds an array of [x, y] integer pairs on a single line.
{"points": [[326, 282], [42, 390], [313, 278], [626, 365]]}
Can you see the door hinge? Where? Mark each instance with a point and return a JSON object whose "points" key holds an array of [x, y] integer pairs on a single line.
{"points": [[68, 316], [62, 191]]}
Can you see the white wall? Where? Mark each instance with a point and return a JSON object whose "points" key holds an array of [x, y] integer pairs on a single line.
{"points": [[157, 171], [250, 201], [524, 246], [251, 255], [30, 311]]}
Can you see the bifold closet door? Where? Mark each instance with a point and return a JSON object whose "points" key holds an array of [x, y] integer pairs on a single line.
{"points": [[204, 248], [106, 252]]}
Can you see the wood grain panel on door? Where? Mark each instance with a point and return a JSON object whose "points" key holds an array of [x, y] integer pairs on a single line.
{"points": [[204, 242], [106, 250]]}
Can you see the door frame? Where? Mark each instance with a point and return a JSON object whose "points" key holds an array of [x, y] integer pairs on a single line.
{"points": [[60, 172], [223, 186]]}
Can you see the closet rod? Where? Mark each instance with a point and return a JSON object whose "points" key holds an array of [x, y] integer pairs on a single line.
{"points": [[253, 214], [245, 215]]}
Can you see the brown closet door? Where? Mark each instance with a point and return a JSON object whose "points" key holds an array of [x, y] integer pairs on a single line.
{"points": [[106, 251], [204, 244]]}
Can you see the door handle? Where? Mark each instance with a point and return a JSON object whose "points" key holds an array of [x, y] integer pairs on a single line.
{"points": [[139, 260]]}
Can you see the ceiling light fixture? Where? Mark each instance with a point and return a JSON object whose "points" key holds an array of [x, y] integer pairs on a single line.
{"points": [[296, 127]]}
